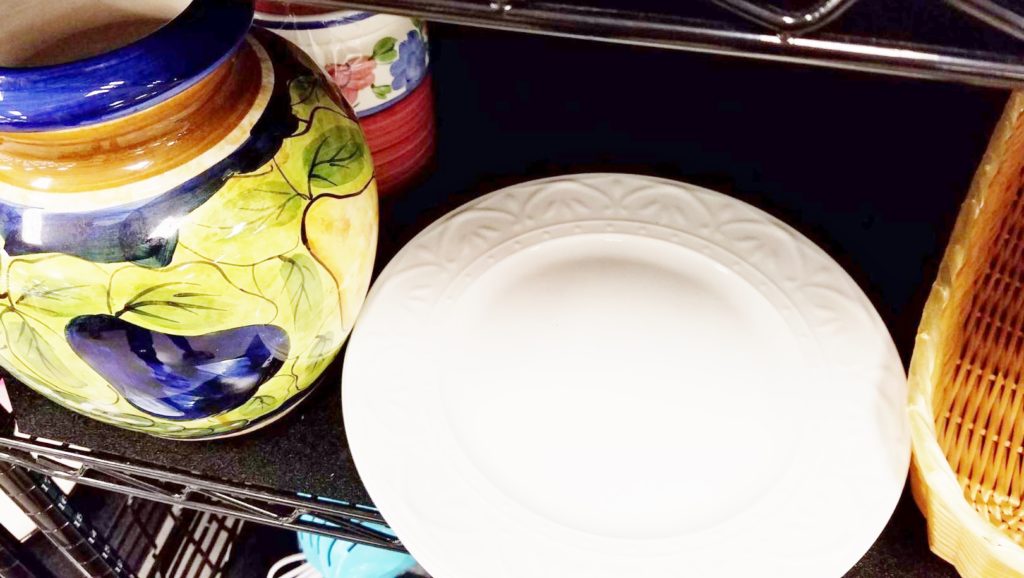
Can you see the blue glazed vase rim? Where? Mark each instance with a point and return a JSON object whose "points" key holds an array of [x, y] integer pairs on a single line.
{"points": [[312, 21], [127, 79]]}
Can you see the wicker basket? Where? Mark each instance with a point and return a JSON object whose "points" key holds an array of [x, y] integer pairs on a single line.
{"points": [[967, 373]]}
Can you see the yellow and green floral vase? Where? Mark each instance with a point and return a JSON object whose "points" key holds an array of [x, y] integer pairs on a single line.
{"points": [[188, 223]]}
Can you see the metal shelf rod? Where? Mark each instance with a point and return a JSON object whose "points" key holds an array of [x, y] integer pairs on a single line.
{"points": [[995, 15], [665, 31], [285, 522], [82, 545], [773, 17], [341, 518], [90, 460]]}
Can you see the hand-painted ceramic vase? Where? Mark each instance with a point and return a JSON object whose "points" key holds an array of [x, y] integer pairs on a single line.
{"points": [[380, 63], [188, 217]]}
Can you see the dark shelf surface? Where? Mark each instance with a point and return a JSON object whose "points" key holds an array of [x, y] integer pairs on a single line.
{"points": [[304, 451], [871, 168]]}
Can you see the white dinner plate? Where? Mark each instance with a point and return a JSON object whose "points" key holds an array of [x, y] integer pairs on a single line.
{"points": [[616, 376]]}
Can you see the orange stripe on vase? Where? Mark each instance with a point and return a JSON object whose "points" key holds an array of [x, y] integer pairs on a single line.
{"points": [[148, 143]]}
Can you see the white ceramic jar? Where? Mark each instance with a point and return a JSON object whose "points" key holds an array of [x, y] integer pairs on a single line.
{"points": [[380, 63], [375, 59]]}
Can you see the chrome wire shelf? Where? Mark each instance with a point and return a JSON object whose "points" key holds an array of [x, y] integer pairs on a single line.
{"points": [[972, 41], [300, 512]]}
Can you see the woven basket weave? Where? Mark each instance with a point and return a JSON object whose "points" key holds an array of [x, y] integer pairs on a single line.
{"points": [[967, 373]]}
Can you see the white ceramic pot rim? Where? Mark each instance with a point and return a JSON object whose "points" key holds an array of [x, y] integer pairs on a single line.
{"points": [[315, 21], [345, 37], [332, 15], [344, 26]]}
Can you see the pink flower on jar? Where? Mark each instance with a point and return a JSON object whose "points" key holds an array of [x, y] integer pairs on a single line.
{"points": [[353, 76]]}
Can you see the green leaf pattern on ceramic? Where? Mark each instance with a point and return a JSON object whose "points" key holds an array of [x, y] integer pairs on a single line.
{"points": [[307, 92], [55, 286], [301, 90], [294, 280], [269, 209], [29, 348], [384, 51], [187, 299], [420, 25], [240, 260], [335, 158]]}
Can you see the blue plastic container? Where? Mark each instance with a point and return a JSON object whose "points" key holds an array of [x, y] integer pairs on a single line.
{"points": [[341, 559]]}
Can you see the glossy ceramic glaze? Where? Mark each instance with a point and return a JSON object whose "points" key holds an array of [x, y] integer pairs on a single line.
{"points": [[375, 59], [614, 375], [403, 139], [186, 250], [55, 94], [380, 64]]}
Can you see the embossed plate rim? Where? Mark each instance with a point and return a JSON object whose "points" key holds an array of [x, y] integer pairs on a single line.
{"points": [[458, 527]]}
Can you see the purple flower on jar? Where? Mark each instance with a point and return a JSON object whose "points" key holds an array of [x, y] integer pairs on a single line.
{"points": [[412, 62]]}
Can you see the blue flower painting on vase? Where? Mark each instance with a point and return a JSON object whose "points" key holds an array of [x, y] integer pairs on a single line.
{"points": [[411, 65]]}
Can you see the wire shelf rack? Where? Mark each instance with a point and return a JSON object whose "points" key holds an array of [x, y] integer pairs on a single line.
{"points": [[300, 512], [973, 41], [126, 537]]}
